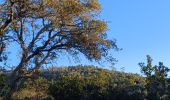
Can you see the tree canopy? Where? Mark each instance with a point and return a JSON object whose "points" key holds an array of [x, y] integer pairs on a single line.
{"points": [[44, 28], [156, 79]]}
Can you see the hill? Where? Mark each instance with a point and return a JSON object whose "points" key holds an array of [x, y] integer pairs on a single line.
{"points": [[81, 83]]}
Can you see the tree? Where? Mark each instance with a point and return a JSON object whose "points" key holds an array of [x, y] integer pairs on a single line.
{"points": [[156, 79], [44, 28]]}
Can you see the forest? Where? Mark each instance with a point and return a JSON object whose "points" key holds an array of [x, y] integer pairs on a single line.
{"points": [[93, 83], [35, 34]]}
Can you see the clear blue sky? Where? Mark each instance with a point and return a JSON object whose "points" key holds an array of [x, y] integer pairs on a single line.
{"points": [[141, 27]]}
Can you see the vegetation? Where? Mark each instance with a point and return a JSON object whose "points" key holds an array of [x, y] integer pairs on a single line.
{"points": [[156, 79], [80, 82], [43, 29], [92, 83]]}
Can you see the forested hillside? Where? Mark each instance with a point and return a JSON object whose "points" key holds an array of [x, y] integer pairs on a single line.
{"points": [[82, 82]]}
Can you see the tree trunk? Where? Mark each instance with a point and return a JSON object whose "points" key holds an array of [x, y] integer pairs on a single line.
{"points": [[15, 80]]}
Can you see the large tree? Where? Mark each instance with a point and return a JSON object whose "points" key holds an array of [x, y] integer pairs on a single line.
{"points": [[42, 29]]}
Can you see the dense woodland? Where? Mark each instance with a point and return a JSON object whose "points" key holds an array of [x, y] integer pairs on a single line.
{"points": [[93, 83]]}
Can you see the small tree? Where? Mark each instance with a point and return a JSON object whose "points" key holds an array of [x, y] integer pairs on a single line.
{"points": [[156, 78]]}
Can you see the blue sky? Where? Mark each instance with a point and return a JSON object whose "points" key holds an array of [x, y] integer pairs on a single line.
{"points": [[141, 27]]}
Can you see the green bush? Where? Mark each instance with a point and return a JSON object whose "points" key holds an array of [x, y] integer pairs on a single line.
{"points": [[67, 88], [35, 89]]}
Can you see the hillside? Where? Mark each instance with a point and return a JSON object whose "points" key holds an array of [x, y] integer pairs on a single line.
{"points": [[81, 83]]}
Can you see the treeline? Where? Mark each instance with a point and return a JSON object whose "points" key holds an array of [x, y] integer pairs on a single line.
{"points": [[89, 83], [80, 82]]}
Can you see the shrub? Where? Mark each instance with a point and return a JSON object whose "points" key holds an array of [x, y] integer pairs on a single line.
{"points": [[36, 89]]}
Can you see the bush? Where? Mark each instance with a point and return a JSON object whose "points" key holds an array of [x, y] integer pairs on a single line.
{"points": [[67, 88], [36, 89]]}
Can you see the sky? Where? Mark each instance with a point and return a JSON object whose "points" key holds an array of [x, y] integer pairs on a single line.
{"points": [[141, 27]]}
